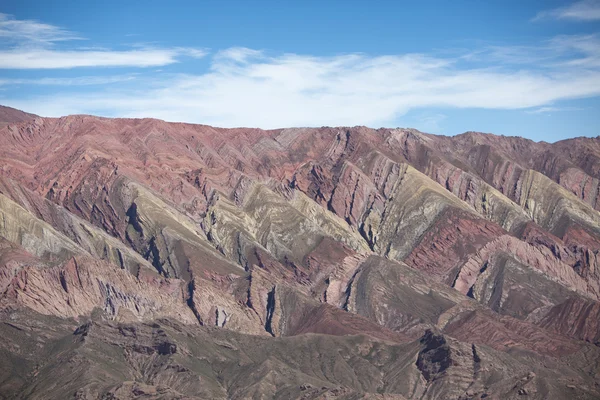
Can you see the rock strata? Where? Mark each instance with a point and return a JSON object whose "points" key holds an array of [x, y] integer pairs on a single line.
{"points": [[146, 259]]}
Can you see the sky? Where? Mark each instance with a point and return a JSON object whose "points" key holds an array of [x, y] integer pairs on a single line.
{"points": [[518, 68]]}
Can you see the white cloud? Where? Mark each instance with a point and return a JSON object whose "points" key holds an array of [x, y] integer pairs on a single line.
{"points": [[244, 87], [57, 59], [238, 54], [584, 50], [551, 109], [28, 44], [32, 32], [75, 81], [586, 10]]}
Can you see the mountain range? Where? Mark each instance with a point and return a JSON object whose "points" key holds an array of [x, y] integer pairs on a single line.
{"points": [[142, 259]]}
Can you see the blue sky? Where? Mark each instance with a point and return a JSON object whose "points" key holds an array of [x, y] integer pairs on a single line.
{"points": [[526, 68]]}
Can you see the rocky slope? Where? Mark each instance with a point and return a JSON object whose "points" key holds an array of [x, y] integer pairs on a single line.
{"points": [[146, 259], [10, 115]]}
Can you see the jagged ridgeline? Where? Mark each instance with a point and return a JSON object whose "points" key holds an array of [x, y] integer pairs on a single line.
{"points": [[152, 260]]}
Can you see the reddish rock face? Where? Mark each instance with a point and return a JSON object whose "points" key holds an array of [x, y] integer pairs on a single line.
{"points": [[381, 263], [10, 115]]}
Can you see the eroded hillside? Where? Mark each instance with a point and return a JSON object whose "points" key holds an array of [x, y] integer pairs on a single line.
{"points": [[146, 259]]}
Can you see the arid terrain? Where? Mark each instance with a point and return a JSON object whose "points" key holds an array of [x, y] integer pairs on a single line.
{"points": [[142, 259]]}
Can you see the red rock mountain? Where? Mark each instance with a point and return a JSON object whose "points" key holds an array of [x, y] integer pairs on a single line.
{"points": [[154, 260], [10, 116]]}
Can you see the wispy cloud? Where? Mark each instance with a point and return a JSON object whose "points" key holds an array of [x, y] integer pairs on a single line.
{"points": [[32, 32], [551, 109], [245, 87], [586, 10], [75, 81], [57, 59], [582, 50], [28, 44], [429, 122]]}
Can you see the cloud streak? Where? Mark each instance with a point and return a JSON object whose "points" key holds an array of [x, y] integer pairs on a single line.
{"points": [[551, 109], [61, 59], [586, 10], [32, 32], [29, 44], [75, 81]]}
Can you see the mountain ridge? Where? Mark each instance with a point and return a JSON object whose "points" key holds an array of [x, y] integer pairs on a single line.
{"points": [[478, 246], [7, 110]]}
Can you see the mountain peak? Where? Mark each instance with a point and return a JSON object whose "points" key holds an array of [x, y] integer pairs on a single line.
{"points": [[9, 115]]}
